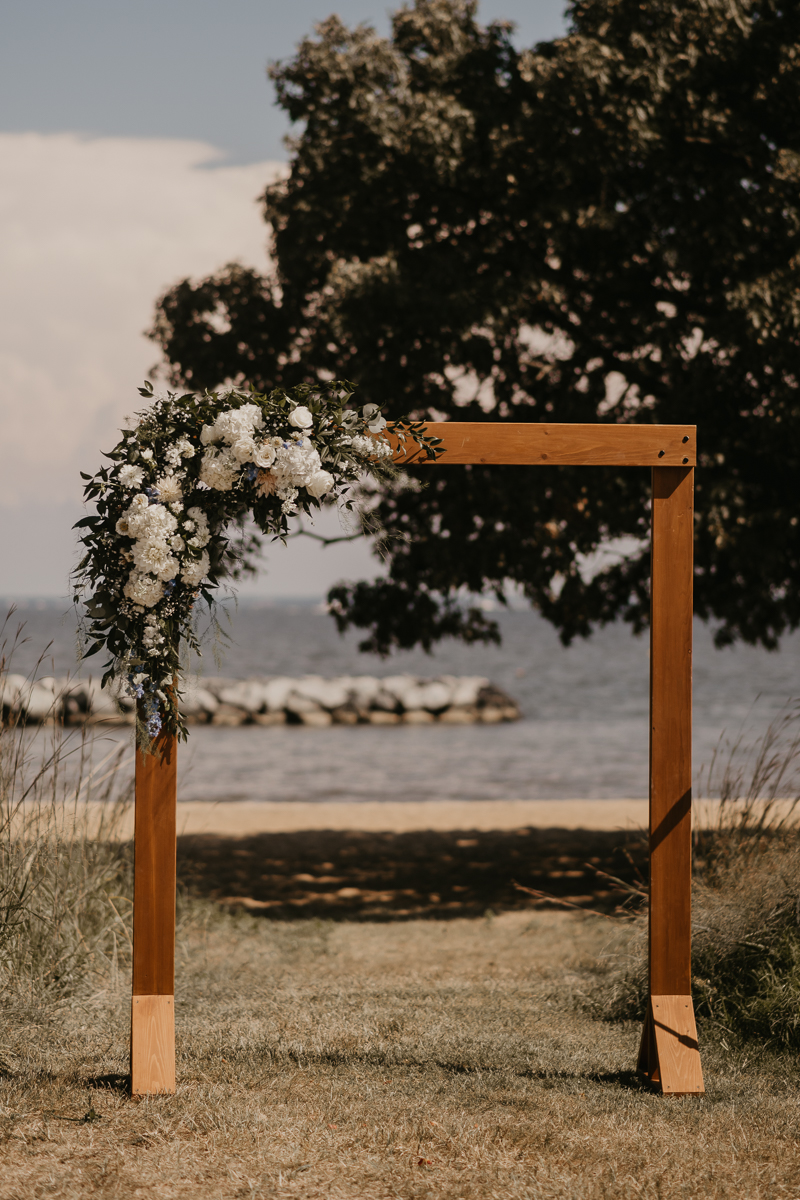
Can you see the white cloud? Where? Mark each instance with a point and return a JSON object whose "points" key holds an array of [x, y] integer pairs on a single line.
{"points": [[91, 231]]}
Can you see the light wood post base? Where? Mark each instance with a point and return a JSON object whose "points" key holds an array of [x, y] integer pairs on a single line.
{"points": [[152, 1045], [669, 1056]]}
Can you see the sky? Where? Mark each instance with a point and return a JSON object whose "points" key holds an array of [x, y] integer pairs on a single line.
{"points": [[135, 138]]}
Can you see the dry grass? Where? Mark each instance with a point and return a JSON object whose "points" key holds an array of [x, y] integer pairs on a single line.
{"points": [[407, 1058], [64, 889], [745, 901], [417, 1059]]}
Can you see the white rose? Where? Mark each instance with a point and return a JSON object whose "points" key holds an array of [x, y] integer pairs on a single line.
{"points": [[264, 455], [244, 448], [207, 434], [319, 484], [301, 417]]}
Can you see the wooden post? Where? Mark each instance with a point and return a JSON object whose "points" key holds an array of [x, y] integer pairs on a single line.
{"points": [[153, 1000], [669, 1054]]}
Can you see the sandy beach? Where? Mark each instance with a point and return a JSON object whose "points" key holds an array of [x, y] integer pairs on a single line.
{"points": [[247, 818]]}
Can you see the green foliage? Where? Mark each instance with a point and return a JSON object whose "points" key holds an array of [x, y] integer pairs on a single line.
{"points": [[604, 227], [180, 482]]}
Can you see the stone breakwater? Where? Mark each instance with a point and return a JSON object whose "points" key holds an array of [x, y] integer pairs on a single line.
{"points": [[277, 700]]}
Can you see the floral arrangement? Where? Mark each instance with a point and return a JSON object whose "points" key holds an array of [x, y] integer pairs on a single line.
{"points": [[193, 466]]}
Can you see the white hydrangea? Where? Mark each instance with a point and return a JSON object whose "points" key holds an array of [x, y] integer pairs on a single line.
{"points": [[233, 425], [143, 589], [152, 635], [195, 571], [371, 447], [288, 496], [131, 476], [154, 557], [319, 484], [198, 522], [295, 464], [150, 522], [219, 469], [151, 526]]}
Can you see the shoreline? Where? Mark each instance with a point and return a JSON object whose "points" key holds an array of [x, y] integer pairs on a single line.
{"points": [[248, 818], [245, 818]]}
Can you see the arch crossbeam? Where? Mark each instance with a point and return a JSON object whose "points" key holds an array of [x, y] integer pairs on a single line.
{"points": [[669, 1056]]}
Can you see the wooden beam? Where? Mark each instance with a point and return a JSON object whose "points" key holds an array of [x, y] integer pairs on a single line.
{"points": [[548, 444], [671, 785], [154, 874]]}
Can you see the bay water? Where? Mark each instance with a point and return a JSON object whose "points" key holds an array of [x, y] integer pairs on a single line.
{"points": [[583, 733]]}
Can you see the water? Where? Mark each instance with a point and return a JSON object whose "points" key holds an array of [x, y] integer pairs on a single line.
{"points": [[583, 732]]}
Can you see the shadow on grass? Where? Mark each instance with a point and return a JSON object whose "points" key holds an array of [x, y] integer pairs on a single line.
{"points": [[109, 1083], [395, 876], [354, 875]]}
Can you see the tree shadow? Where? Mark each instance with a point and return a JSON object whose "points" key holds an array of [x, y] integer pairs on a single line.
{"points": [[358, 875], [111, 1082]]}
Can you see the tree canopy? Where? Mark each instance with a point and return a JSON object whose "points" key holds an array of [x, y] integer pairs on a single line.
{"points": [[605, 227]]}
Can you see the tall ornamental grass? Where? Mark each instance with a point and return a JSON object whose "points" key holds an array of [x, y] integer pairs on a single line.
{"points": [[745, 899], [65, 875]]}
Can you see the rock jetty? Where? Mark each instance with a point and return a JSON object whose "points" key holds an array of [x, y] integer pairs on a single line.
{"points": [[277, 700]]}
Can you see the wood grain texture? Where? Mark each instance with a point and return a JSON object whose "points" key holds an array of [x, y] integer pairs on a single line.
{"points": [[671, 732], [550, 444], [154, 871], [152, 1045], [675, 1034]]}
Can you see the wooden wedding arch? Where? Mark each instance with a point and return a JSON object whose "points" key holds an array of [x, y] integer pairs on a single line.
{"points": [[669, 1057]]}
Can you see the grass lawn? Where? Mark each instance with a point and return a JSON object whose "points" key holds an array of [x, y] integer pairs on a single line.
{"points": [[419, 1058]]}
